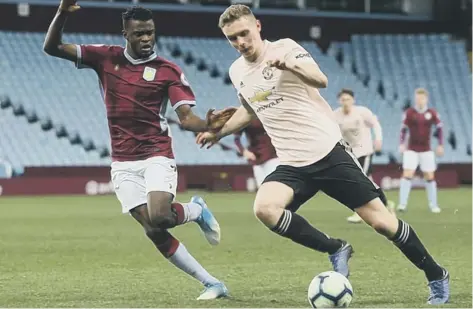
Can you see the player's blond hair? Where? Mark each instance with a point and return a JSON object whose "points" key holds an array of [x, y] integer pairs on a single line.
{"points": [[234, 12], [422, 91]]}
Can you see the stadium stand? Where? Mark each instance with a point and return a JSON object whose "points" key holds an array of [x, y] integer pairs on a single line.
{"points": [[397, 64], [60, 116]]}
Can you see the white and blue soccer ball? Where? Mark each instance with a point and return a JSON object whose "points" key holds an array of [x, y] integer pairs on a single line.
{"points": [[330, 290]]}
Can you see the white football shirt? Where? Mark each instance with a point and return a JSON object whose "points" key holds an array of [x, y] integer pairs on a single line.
{"points": [[356, 129], [297, 118]]}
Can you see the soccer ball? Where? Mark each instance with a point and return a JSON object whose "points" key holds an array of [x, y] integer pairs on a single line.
{"points": [[330, 290]]}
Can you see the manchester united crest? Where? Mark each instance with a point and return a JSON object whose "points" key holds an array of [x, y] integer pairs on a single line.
{"points": [[268, 72], [149, 74]]}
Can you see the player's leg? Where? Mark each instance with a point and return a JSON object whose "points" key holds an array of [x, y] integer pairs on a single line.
{"points": [[173, 250], [410, 161], [160, 176], [258, 173], [130, 190], [261, 171], [282, 193], [346, 182], [405, 238], [365, 163], [428, 167]]}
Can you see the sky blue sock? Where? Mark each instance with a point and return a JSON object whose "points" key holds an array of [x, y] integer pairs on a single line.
{"points": [[404, 190], [431, 187]]}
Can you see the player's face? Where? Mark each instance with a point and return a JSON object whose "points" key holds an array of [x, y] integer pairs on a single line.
{"points": [[141, 37], [244, 35], [421, 100], [346, 101]]}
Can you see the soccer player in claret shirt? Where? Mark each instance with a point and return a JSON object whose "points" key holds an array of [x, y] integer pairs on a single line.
{"points": [[418, 121], [279, 82], [260, 152], [136, 84]]}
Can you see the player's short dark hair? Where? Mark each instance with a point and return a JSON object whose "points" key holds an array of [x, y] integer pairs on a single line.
{"points": [[346, 91], [136, 13]]}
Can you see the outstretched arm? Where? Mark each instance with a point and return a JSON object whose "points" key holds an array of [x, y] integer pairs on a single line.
{"points": [[53, 44], [190, 121], [238, 121]]}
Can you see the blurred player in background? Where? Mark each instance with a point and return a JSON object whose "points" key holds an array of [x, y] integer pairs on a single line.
{"points": [[136, 85], [355, 124], [418, 121], [279, 82], [260, 152]]}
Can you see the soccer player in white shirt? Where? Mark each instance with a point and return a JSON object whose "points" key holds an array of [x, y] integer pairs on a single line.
{"points": [[278, 83], [356, 123]]}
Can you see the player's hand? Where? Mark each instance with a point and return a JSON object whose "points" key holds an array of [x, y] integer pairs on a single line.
{"points": [[207, 138], [69, 6], [278, 62], [250, 156], [440, 151], [402, 148], [217, 119], [378, 145]]}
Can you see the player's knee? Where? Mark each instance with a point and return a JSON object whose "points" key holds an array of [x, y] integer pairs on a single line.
{"points": [[155, 234], [267, 212], [378, 217], [408, 174], [381, 226], [160, 212], [429, 176]]}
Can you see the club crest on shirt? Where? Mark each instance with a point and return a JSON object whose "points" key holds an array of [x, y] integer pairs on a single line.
{"points": [[149, 74], [428, 116], [268, 72]]}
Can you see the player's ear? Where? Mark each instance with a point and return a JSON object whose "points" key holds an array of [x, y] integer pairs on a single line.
{"points": [[258, 25], [124, 33]]}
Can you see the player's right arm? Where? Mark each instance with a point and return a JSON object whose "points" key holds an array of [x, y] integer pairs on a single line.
{"points": [[53, 44], [404, 129], [240, 119]]}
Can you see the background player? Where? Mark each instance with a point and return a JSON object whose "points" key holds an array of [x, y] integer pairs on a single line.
{"points": [[260, 152], [278, 82], [418, 121], [136, 84], [355, 124]]}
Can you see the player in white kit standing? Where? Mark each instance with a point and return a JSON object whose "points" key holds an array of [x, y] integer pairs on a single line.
{"points": [[356, 123], [278, 83]]}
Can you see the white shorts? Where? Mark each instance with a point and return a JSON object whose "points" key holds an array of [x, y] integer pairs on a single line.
{"points": [[412, 159], [133, 180], [261, 171]]}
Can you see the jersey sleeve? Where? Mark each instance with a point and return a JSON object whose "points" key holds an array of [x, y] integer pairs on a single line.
{"points": [[179, 89], [91, 56], [368, 117], [437, 120], [295, 51]]}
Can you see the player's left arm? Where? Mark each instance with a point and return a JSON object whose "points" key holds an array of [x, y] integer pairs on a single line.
{"points": [[372, 121], [182, 100], [439, 132], [300, 62]]}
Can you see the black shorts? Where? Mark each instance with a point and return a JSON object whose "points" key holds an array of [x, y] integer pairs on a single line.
{"points": [[366, 164], [338, 175]]}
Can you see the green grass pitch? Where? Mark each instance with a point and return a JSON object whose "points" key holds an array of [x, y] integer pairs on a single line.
{"points": [[82, 252]]}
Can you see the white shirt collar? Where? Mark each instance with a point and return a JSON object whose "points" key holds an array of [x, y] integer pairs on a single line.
{"points": [[139, 61]]}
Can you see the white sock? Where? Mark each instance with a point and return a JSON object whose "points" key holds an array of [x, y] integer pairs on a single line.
{"points": [[183, 260], [191, 211]]}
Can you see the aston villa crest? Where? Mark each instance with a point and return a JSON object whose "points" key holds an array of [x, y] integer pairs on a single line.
{"points": [[149, 74]]}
